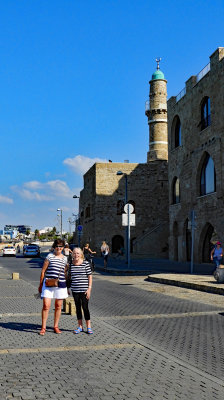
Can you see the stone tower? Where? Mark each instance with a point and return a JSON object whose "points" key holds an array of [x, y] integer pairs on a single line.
{"points": [[156, 111]]}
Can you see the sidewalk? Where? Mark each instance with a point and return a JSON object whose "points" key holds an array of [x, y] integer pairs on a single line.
{"points": [[167, 272]]}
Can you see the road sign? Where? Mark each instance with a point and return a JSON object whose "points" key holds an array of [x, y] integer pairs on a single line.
{"points": [[79, 227], [130, 207], [125, 219]]}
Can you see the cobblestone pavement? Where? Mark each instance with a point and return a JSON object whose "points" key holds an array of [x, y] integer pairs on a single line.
{"points": [[146, 344]]}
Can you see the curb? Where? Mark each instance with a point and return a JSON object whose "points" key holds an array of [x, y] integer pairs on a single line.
{"points": [[122, 271], [187, 285]]}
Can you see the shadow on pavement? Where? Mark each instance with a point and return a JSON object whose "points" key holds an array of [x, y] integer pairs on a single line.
{"points": [[27, 327]]}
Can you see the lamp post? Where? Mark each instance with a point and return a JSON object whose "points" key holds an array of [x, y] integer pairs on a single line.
{"points": [[127, 242], [59, 209], [79, 232]]}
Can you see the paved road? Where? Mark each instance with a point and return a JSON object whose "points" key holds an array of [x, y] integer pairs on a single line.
{"points": [[150, 342]]}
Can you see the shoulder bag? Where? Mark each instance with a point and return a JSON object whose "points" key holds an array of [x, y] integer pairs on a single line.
{"points": [[53, 282]]}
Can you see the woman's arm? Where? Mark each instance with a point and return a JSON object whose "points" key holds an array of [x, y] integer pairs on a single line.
{"points": [[92, 252], [88, 292], [44, 268]]}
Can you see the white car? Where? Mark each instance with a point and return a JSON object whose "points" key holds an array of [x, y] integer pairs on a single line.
{"points": [[9, 251]]}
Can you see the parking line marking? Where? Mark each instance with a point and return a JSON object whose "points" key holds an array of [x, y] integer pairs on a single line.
{"points": [[98, 347]]}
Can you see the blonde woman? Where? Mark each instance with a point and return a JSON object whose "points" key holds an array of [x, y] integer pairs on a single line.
{"points": [[105, 252], [81, 286]]}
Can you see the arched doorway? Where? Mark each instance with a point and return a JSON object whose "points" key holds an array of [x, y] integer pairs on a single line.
{"points": [[207, 243], [175, 241], [117, 243], [187, 235]]}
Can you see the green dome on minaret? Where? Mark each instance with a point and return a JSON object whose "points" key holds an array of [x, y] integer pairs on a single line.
{"points": [[158, 74]]}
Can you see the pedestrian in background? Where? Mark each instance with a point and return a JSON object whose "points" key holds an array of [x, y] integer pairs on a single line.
{"points": [[88, 254], [105, 252], [54, 267], [217, 254], [81, 285], [68, 253]]}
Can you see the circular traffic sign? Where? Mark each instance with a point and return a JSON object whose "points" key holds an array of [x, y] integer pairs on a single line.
{"points": [[130, 206]]}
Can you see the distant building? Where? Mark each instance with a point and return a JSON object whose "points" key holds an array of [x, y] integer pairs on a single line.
{"points": [[102, 200], [9, 229], [196, 163], [47, 229]]}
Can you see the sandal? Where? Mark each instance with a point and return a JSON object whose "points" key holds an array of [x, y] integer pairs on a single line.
{"points": [[89, 331], [42, 331], [78, 330], [57, 330]]}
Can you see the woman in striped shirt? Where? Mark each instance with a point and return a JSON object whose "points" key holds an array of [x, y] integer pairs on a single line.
{"points": [[81, 285], [53, 267]]}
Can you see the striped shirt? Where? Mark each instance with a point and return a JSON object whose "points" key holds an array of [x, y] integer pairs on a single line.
{"points": [[53, 269], [79, 277]]}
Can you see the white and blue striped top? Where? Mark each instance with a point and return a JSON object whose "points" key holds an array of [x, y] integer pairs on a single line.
{"points": [[79, 277], [53, 269]]}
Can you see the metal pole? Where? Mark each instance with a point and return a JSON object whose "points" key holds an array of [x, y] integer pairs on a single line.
{"points": [[129, 234], [61, 223], [192, 239], [126, 230]]}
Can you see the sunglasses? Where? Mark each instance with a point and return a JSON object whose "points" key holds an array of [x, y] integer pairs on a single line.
{"points": [[60, 247]]}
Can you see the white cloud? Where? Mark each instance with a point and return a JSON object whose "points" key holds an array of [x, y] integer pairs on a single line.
{"points": [[33, 185], [59, 188], [81, 164], [29, 195], [38, 191], [5, 199]]}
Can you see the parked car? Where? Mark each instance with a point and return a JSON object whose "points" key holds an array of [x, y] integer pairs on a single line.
{"points": [[9, 251], [32, 250]]}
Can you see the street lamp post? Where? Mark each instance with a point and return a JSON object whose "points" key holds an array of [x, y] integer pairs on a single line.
{"points": [[79, 232], [59, 209], [127, 230]]}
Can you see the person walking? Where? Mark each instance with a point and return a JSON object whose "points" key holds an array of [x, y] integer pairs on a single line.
{"points": [[88, 254], [53, 268], [81, 286], [217, 254], [105, 252]]}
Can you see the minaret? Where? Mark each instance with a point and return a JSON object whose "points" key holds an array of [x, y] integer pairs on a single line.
{"points": [[156, 111]]}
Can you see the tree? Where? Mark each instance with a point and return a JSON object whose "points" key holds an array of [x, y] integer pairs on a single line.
{"points": [[36, 233], [27, 232]]}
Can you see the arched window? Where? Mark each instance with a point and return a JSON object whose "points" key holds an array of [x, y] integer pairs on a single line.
{"points": [[87, 212], [178, 133], [176, 190], [208, 177], [205, 113], [120, 207]]}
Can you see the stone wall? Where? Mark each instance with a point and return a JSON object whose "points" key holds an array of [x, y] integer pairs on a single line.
{"points": [[147, 189], [185, 162]]}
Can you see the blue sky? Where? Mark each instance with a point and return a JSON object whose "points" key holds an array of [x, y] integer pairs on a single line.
{"points": [[73, 85]]}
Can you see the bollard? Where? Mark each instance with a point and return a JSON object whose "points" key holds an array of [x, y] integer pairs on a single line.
{"points": [[72, 308], [15, 275], [67, 302]]}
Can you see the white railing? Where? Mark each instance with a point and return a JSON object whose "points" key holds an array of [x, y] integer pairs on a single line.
{"points": [[203, 72], [181, 94]]}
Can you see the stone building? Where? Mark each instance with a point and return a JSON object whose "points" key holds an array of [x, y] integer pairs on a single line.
{"points": [[196, 162], [101, 201]]}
